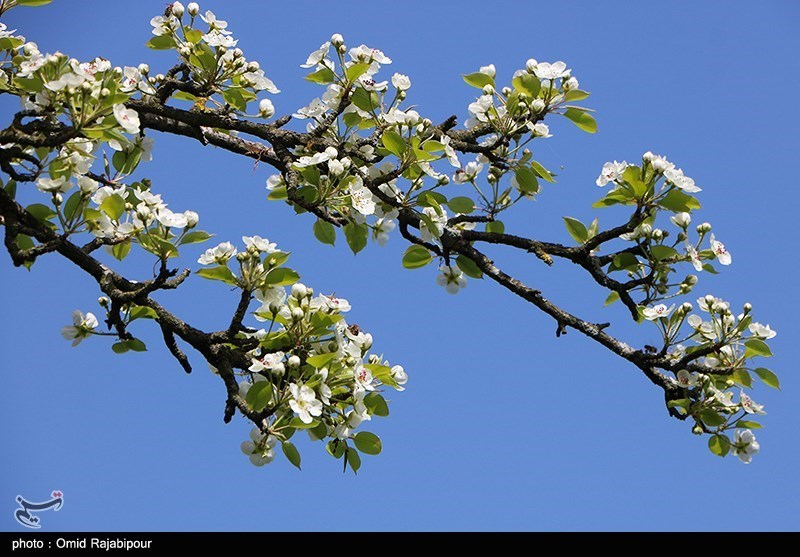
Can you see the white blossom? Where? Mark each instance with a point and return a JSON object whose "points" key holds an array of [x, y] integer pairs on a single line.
{"points": [[681, 220], [762, 331], [438, 221], [127, 118], [304, 402], [317, 56], [363, 379], [361, 199], [655, 312], [687, 380], [611, 172], [401, 82], [676, 177], [723, 256], [451, 278], [745, 445], [218, 255], [694, 257], [81, 328], [260, 244], [749, 405], [546, 70], [268, 362], [53, 185]]}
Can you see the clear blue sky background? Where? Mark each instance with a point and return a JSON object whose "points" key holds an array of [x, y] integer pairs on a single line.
{"points": [[502, 426]]}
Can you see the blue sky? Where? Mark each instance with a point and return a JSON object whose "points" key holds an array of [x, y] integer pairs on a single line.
{"points": [[502, 426]]}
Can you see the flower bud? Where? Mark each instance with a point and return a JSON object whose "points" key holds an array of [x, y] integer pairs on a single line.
{"points": [[29, 48], [488, 70], [705, 227], [648, 156], [488, 90], [299, 290], [710, 300], [297, 314], [337, 40], [657, 234], [374, 359], [222, 49], [747, 307], [266, 109], [192, 218], [278, 369], [294, 361], [538, 105], [103, 301], [274, 308], [697, 430], [506, 91], [427, 122], [686, 307], [333, 346], [342, 49], [241, 257], [58, 198], [193, 9], [144, 69], [531, 64], [177, 9], [691, 280], [253, 66], [160, 77], [682, 220], [570, 84]]}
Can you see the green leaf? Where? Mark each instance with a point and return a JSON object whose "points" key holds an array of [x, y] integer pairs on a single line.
{"points": [[41, 212], [660, 252], [433, 146], [495, 227], [321, 76], [526, 180], [351, 119], [356, 235], [719, 444], [297, 423], [142, 312], [356, 70], [72, 205], [679, 202], [33, 3], [321, 360], [259, 395], [624, 261], [291, 453], [742, 377], [324, 232], [335, 448], [120, 251], [769, 378], [748, 424], [576, 229], [365, 100], [478, 80], [582, 119], [195, 237], [394, 142], [576, 95], [193, 35], [113, 206], [463, 205], [416, 257], [119, 347], [368, 443], [613, 297], [136, 345], [542, 172], [221, 273], [756, 347], [161, 42], [528, 84], [233, 96], [376, 404], [469, 267], [282, 276], [353, 460], [711, 418]]}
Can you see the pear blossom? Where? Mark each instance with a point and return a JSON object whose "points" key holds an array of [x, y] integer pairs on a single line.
{"points": [[268, 362], [749, 405], [401, 82], [451, 278], [53, 185], [170, 219], [468, 173], [571, 83], [611, 172], [260, 244], [383, 226], [131, 77], [317, 56], [330, 304], [218, 255], [363, 378], [723, 256], [87, 185], [89, 69], [304, 402], [400, 377], [745, 445], [361, 199], [213, 22], [546, 70], [438, 221], [539, 129], [164, 25], [260, 449], [687, 380], [29, 66], [762, 331], [655, 312], [81, 328], [326, 155], [694, 257], [216, 38], [449, 152], [260, 82], [266, 109], [68, 80], [676, 177], [193, 8], [681, 220], [127, 118], [488, 70], [364, 53]]}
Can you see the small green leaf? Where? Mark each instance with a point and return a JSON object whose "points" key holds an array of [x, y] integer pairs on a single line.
{"points": [[576, 95], [394, 142], [221, 273], [335, 448], [357, 70], [72, 205], [297, 423], [195, 237], [719, 444], [711, 418], [291, 453], [660, 252], [41, 212], [33, 3], [259, 395], [376, 404], [193, 35], [119, 347], [463, 205], [416, 257], [282, 276], [321, 76], [161, 42], [582, 119], [368, 443], [325, 232], [528, 84], [113, 206], [495, 227], [136, 345], [526, 180], [576, 229], [613, 297], [120, 251], [478, 80], [351, 119], [142, 312], [321, 360], [743, 378], [542, 172], [356, 236], [679, 202], [353, 460], [756, 347], [769, 378], [748, 424], [469, 267]]}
